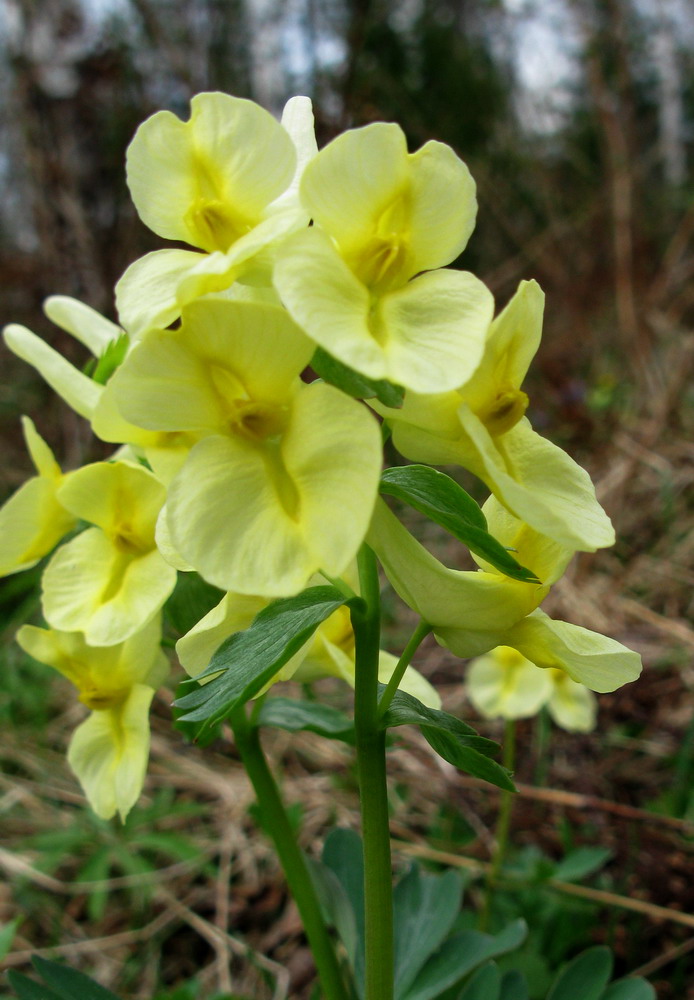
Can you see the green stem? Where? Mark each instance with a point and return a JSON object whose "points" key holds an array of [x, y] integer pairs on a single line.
{"points": [[277, 824], [503, 824], [417, 637], [371, 766]]}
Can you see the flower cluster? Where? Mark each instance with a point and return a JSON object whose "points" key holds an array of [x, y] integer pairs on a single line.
{"points": [[235, 463]]}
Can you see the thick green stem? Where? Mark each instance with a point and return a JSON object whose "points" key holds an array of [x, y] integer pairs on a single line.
{"points": [[417, 637], [371, 764], [293, 862], [503, 823]]}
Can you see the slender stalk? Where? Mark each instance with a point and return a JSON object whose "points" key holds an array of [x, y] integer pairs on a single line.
{"points": [[503, 824], [371, 765], [293, 862], [417, 637]]}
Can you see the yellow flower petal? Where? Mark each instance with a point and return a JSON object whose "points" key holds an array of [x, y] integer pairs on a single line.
{"points": [[227, 362], [78, 391], [512, 341], [258, 518], [545, 557], [207, 181], [102, 674], [600, 663], [504, 684], [571, 705], [84, 323], [41, 455], [353, 180], [443, 206], [433, 329], [32, 521], [427, 335], [90, 586], [108, 753], [122, 499], [146, 295]]}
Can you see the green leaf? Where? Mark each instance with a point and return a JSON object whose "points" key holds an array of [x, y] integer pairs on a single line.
{"points": [[585, 977], [629, 989], [247, 660], [424, 910], [96, 869], [359, 386], [112, 358], [287, 713], [513, 986], [7, 933], [343, 855], [190, 601], [335, 905], [192, 731], [582, 862], [451, 738], [484, 985], [29, 989], [459, 955], [439, 498], [69, 983]]}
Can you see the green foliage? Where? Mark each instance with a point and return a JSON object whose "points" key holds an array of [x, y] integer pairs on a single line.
{"points": [[585, 977], [190, 601], [312, 716], [247, 660], [451, 738], [425, 908], [441, 499], [103, 850], [7, 933], [353, 383], [112, 358], [62, 983]]}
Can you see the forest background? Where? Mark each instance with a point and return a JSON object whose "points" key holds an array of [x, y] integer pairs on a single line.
{"points": [[576, 118]]}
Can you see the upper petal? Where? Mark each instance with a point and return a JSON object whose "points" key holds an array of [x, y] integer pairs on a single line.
{"points": [[207, 181]]}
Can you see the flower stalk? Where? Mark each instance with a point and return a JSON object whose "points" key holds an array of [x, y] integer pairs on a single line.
{"points": [[371, 765], [277, 824]]}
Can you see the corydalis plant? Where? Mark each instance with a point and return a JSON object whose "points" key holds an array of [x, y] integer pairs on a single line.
{"points": [[237, 467]]}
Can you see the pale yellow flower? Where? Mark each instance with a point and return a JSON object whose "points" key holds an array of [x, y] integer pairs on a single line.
{"points": [[353, 280], [505, 684], [481, 426], [110, 580], [32, 521], [253, 506], [108, 751], [224, 181]]}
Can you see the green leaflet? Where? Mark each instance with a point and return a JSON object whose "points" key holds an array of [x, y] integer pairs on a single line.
{"points": [[62, 983], [441, 499], [287, 713], [359, 386], [247, 660], [585, 977], [451, 738]]}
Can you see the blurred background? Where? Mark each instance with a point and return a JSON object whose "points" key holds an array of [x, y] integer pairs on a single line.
{"points": [[576, 118]]}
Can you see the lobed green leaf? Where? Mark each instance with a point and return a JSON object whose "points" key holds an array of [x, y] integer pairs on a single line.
{"points": [[247, 660], [450, 737]]}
